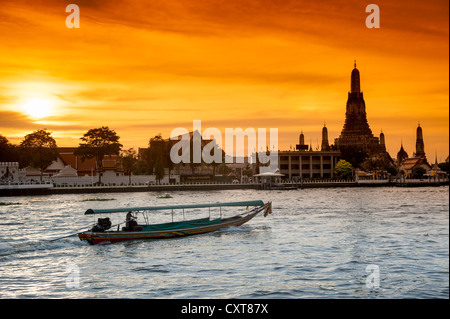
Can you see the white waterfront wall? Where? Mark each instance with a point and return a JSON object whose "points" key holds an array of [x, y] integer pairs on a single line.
{"points": [[13, 168], [111, 180]]}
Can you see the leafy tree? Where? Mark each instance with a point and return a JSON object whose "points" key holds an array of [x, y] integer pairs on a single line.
{"points": [[170, 165], [98, 143], [247, 171], [158, 156], [224, 169], [4, 145], [445, 167], [159, 170], [40, 149], [12, 153], [343, 169], [373, 163], [354, 155], [5, 150], [392, 170], [419, 171], [129, 162], [157, 151], [141, 168]]}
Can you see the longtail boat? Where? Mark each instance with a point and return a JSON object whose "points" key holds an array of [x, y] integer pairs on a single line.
{"points": [[101, 233]]}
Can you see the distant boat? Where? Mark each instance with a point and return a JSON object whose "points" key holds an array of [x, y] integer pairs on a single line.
{"points": [[100, 233]]}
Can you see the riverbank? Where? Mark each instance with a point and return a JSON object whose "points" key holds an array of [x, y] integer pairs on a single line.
{"points": [[207, 187]]}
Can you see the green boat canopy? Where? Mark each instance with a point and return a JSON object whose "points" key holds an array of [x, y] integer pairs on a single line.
{"points": [[134, 209]]}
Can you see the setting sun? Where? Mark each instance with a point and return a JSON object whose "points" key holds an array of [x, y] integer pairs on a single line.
{"points": [[37, 108]]}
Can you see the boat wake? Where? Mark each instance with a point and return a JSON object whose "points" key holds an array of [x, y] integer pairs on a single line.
{"points": [[33, 246], [242, 230], [235, 229]]}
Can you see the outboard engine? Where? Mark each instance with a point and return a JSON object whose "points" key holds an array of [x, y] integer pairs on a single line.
{"points": [[102, 225]]}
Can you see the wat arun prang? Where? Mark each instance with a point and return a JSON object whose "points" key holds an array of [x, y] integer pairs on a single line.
{"points": [[356, 134]]}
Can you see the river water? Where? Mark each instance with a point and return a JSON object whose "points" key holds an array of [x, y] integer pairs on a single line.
{"points": [[318, 243]]}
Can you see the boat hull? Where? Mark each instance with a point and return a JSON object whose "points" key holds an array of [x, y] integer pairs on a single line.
{"points": [[118, 236]]}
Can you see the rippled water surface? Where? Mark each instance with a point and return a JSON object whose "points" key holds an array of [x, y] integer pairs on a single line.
{"points": [[316, 244]]}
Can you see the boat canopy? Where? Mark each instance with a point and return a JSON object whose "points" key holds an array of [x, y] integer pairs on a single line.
{"points": [[134, 209]]}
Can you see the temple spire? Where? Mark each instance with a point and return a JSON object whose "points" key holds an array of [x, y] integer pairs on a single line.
{"points": [[355, 81], [302, 139], [325, 145], [356, 131], [420, 149]]}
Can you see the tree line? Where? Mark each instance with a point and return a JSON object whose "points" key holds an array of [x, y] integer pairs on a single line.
{"points": [[39, 149]]}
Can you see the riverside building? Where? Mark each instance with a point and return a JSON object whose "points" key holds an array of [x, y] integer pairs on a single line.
{"points": [[305, 163]]}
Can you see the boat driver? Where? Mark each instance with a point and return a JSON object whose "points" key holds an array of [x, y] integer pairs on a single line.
{"points": [[130, 221]]}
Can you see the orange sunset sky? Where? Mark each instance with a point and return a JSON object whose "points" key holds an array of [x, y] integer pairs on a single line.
{"points": [[147, 67]]}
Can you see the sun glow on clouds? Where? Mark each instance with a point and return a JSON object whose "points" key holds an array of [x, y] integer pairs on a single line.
{"points": [[37, 96], [144, 68], [37, 108]]}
